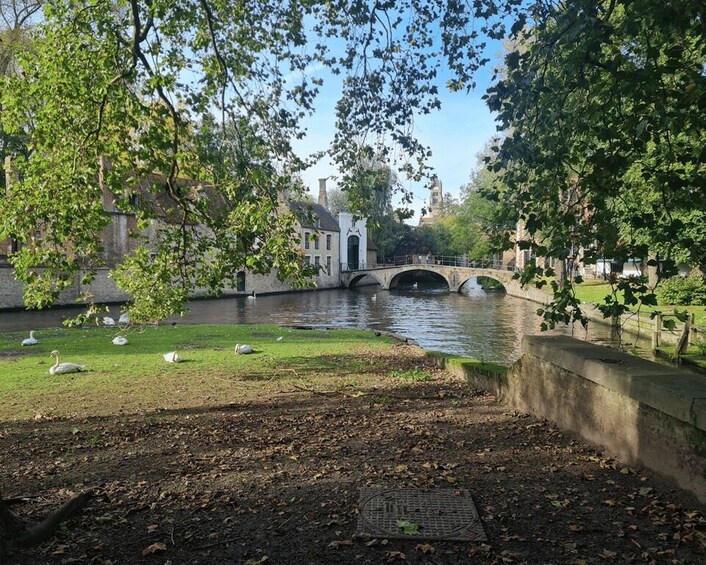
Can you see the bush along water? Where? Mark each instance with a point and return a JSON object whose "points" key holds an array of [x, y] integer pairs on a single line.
{"points": [[682, 291]]}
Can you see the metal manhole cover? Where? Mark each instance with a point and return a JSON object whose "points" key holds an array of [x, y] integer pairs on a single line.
{"points": [[444, 514]]}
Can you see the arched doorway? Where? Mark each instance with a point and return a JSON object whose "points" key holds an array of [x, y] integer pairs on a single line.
{"points": [[353, 252]]}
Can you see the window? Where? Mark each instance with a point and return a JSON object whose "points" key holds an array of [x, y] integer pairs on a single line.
{"points": [[316, 242], [240, 281], [307, 259], [317, 261], [328, 264], [306, 239], [328, 243]]}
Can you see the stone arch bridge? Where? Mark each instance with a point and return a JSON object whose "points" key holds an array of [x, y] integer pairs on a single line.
{"points": [[454, 270]]}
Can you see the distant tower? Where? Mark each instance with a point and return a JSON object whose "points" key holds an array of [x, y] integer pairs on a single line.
{"points": [[435, 207], [436, 199]]}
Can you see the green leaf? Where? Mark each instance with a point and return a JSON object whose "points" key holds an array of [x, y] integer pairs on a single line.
{"points": [[409, 528]]}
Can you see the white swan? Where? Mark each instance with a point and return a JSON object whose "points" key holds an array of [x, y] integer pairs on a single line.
{"points": [[108, 321], [374, 298], [415, 286], [172, 357], [280, 338], [119, 340], [63, 368], [242, 349], [253, 296], [124, 318], [30, 340]]}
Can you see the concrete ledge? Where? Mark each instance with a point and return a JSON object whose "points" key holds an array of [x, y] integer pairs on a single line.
{"points": [[636, 410], [675, 392]]}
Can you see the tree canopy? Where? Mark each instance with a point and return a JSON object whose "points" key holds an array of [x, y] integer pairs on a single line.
{"points": [[213, 91], [600, 102], [603, 109]]}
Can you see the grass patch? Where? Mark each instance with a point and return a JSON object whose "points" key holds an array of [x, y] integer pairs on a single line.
{"points": [[135, 377], [415, 375], [596, 293]]}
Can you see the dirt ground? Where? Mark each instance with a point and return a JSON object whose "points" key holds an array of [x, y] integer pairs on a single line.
{"points": [[274, 478]]}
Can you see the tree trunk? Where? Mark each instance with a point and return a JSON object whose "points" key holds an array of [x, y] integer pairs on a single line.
{"points": [[15, 534]]}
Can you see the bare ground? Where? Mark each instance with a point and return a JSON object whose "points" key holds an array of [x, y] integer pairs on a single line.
{"points": [[273, 477]]}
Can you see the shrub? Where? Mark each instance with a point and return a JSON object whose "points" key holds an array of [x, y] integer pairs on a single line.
{"points": [[682, 291]]}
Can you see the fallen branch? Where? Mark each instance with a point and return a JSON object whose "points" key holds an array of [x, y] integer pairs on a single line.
{"points": [[45, 529], [14, 533]]}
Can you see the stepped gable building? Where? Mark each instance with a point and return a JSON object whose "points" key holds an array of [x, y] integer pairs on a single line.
{"points": [[435, 205]]}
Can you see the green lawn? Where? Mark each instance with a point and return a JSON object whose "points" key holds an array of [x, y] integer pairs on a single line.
{"points": [[136, 377], [596, 292]]}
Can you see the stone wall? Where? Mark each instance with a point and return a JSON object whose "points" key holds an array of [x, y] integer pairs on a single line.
{"points": [[103, 288], [530, 292], [105, 291], [637, 410]]}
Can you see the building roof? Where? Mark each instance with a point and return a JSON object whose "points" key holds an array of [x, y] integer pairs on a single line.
{"points": [[326, 220]]}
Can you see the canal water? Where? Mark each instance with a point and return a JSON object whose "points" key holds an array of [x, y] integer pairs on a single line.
{"points": [[488, 326]]}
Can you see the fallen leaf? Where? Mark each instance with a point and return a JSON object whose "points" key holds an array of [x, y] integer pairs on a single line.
{"points": [[158, 546], [608, 554], [255, 561], [409, 528], [338, 543], [152, 528], [391, 556], [426, 549]]}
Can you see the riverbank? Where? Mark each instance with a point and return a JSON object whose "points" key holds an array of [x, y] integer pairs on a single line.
{"points": [[260, 458]]}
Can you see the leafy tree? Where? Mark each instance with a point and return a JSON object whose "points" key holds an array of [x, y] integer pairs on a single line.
{"points": [[138, 82], [337, 201], [602, 110], [595, 92], [16, 18], [473, 222], [407, 241]]}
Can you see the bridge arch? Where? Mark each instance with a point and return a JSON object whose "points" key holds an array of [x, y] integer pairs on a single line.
{"points": [[354, 279], [398, 276], [496, 278]]}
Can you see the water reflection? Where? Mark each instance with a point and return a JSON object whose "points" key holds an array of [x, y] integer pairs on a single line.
{"points": [[475, 323]]}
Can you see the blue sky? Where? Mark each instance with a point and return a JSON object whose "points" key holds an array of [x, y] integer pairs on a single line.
{"points": [[455, 134]]}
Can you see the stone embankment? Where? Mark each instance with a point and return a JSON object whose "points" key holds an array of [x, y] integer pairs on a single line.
{"points": [[637, 410]]}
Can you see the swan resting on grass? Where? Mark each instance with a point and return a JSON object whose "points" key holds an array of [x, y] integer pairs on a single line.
{"points": [[172, 357], [31, 340], [242, 349], [119, 340], [124, 318], [108, 321], [63, 368]]}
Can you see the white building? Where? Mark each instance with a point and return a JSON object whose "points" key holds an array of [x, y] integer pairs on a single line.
{"points": [[354, 242]]}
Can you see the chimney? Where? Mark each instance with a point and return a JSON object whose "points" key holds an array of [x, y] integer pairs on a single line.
{"points": [[323, 197]]}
